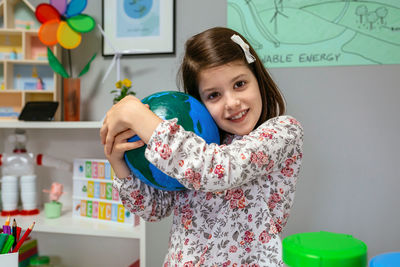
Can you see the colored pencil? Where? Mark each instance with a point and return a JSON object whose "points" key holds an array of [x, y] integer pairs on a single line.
{"points": [[7, 229], [3, 239], [22, 240], [14, 233], [7, 246], [7, 221], [18, 232]]}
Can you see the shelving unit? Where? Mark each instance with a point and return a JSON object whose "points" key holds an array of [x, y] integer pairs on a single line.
{"points": [[25, 74], [68, 140]]}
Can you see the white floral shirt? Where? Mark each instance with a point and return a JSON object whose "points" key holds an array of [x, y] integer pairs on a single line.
{"points": [[239, 194]]}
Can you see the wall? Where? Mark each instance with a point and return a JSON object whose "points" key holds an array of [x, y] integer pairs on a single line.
{"points": [[349, 181], [96, 98]]}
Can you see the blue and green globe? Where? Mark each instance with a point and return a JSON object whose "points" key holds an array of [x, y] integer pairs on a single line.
{"points": [[192, 115]]}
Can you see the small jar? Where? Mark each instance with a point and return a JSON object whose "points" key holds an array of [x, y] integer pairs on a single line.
{"points": [[52, 209]]}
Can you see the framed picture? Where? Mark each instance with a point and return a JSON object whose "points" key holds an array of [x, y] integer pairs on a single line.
{"points": [[138, 27]]}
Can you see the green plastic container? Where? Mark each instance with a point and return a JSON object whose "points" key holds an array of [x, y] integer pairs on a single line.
{"points": [[39, 261], [52, 209], [324, 249]]}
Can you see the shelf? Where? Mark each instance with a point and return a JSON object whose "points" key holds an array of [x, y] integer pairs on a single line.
{"points": [[26, 61], [26, 91], [68, 224], [18, 31], [15, 124]]}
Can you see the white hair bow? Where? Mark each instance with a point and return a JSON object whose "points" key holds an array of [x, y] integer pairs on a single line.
{"points": [[246, 49]]}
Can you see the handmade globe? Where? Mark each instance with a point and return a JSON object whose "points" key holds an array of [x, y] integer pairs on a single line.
{"points": [[191, 115]]}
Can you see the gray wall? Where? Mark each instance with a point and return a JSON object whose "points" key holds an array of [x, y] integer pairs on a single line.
{"points": [[349, 181]]}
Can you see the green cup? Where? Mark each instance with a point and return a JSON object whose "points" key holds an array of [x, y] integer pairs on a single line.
{"points": [[52, 209]]}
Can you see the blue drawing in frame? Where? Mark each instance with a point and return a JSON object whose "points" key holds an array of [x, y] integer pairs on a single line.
{"points": [[138, 18], [137, 9]]}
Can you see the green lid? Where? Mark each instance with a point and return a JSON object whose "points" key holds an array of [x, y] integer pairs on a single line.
{"points": [[39, 260], [324, 249]]}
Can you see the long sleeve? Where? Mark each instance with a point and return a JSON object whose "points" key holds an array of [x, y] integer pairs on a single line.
{"points": [[145, 201], [274, 146]]}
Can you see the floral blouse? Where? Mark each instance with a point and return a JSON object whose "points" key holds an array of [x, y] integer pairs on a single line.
{"points": [[238, 195]]}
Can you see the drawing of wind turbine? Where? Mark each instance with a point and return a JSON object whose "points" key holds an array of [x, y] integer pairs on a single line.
{"points": [[117, 56]]}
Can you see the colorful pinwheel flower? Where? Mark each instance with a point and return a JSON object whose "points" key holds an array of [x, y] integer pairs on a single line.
{"points": [[63, 23]]}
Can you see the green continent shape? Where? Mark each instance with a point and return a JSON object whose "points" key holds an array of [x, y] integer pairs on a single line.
{"points": [[166, 105]]}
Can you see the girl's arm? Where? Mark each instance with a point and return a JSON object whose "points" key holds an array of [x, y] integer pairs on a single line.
{"points": [[185, 156], [147, 202]]}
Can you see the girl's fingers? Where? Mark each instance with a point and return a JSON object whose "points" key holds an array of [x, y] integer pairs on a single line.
{"points": [[120, 148], [128, 146], [120, 143], [124, 135], [103, 133], [109, 143]]}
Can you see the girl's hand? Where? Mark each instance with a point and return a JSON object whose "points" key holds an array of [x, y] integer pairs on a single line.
{"points": [[116, 157], [129, 113], [121, 145], [119, 118]]}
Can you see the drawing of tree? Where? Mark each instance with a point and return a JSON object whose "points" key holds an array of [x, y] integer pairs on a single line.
{"points": [[382, 13], [372, 17], [361, 11]]}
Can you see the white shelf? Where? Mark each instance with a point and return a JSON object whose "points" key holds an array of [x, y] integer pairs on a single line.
{"points": [[68, 224], [15, 124]]}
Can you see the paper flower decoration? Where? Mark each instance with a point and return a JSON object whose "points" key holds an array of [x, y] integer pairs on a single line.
{"points": [[63, 23]]}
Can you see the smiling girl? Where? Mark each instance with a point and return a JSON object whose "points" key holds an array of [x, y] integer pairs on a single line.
{"points": [[239, 194]]}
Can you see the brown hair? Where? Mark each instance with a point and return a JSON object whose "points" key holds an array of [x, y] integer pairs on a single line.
{"points": [[213, 48]]}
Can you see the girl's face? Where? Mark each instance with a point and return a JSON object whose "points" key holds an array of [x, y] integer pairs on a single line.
{"points": [[232, 96]]}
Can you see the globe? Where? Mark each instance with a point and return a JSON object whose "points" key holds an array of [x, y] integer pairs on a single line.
{"points": [[137, 9], [192, 115]]}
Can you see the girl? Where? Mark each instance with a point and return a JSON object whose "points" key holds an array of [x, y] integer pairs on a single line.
{"points": [[239, 194]]}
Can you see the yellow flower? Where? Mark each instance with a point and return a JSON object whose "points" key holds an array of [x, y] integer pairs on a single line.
{"points": [[127, 83], [118, 84], [124, 89]]}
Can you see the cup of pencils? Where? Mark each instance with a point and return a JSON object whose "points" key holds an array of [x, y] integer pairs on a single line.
{"points": [[11, 241]]}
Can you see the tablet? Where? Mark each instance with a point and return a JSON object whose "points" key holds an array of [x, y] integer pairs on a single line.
{"points": [[38, 111]]}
